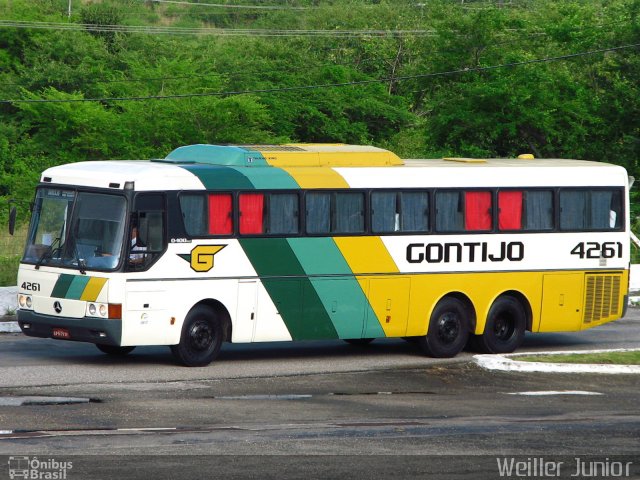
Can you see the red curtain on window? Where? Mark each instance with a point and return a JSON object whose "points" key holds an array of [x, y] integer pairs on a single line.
{"points": [[220, 214], [477, 211], [251, 209], [510, 210]]}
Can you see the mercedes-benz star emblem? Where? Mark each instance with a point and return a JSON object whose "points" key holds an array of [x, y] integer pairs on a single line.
{"points": [[57, 307]]}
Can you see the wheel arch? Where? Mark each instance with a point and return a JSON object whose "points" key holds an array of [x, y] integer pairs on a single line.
{"points": [[523, 300], [468, 305], [221, 313]]}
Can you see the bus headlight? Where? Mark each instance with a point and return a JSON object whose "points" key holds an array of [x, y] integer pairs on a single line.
{"points": [[25, 301], [97, 310]]}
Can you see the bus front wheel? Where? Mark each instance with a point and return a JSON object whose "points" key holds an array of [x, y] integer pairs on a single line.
{"points": [[504, 331], [201, 338], [448, 329]]}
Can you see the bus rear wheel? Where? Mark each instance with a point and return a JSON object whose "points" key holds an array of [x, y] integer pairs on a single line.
{"points": [[114, 350], [504, 331], [201, 338], [448, 329]]}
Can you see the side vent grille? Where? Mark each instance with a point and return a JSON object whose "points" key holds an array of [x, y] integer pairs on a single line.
{"points": [[602, 297]]}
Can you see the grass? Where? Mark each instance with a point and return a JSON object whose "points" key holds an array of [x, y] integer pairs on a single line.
{"points": [[606, 358], [11, 248]]}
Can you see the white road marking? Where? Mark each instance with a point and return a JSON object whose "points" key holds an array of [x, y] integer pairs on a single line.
{"points": [[555, 392]]}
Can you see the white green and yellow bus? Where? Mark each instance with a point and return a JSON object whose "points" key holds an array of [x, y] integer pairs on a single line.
{"points": [[261, 243]]}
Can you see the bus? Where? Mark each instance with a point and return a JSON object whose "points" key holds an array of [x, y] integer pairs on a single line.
{"points": [[263, 243]]}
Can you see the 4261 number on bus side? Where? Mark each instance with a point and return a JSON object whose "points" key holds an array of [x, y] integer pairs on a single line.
{"points": [[598, 250]]}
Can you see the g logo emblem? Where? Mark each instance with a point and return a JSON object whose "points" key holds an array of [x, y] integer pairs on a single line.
{"points": [[202, 257]]}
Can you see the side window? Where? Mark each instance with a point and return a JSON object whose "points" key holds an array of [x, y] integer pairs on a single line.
{"points": [[399, 212], [147, 239], [334, 212], [194, 213], [269, 213], [458, 211], [477, 211], [385, 216], [318, 212], [220, 214], [414, 211], [538, 210], [529, 210], [449, 211], [510, 210], [207, 214], [349, 213], [590, 209], [283, 214], [251, 207]]}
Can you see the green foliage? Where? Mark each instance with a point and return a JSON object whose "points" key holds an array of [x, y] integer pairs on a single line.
{"points": [[584, 107], [8, 268]]}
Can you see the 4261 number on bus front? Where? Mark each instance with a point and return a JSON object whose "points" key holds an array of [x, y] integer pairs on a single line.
{"points": [[598, 250]]}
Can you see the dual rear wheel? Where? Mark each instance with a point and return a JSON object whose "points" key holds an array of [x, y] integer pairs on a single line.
{"points": [[450, 326]]}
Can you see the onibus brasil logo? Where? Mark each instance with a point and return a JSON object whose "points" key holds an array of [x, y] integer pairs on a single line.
{"points": [[34, 468]]}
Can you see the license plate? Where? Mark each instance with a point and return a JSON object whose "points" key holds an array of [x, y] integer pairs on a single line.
{"points": [[61, 333]]}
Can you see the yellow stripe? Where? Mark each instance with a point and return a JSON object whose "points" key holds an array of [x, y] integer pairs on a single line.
{"points": [[388, 295], [366, 255], [93, 289], [325, 156], [316, 177]]}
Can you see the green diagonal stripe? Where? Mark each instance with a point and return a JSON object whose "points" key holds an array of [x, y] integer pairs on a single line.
{"points": [[308, 279], [62, 286], [77, 287], [276, 264], [220, 178], [338, 290]]}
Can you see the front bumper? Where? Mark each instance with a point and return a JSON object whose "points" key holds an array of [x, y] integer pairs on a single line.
{"points": [[87, 329]]}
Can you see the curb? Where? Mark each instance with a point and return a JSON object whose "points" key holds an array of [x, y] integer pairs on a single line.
{"points": [[505, 364], [9, 327]]}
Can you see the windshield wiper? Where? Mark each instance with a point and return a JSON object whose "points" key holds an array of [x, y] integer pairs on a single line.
{"points": [[48, 253], [82, 265]]}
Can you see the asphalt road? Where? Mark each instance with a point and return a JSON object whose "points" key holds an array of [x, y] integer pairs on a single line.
{"points": [[314, 410]]}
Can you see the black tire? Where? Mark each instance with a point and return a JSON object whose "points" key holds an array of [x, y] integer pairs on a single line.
{"points": [[504, 330], [114, 350], [448, 329], [361, 342], [201, 338]]}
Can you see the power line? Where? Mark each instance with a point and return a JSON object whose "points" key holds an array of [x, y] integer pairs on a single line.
{"points": [[246, 72], [239, 7], [231, 74], [253, 32], [331, 85]]}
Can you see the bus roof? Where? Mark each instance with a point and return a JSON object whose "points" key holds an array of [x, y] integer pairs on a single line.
{"points": [[292, 166], [288, 155]]}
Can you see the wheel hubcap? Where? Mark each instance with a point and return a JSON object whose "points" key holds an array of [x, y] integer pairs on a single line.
{"points": [[201, 335], [504, 328], [448, 328]]}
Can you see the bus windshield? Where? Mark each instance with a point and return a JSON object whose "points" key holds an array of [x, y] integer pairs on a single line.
{"points": [[82, 230]]}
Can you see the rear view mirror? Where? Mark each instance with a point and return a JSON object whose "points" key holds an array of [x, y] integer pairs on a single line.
{"points": [[12, 219]]}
